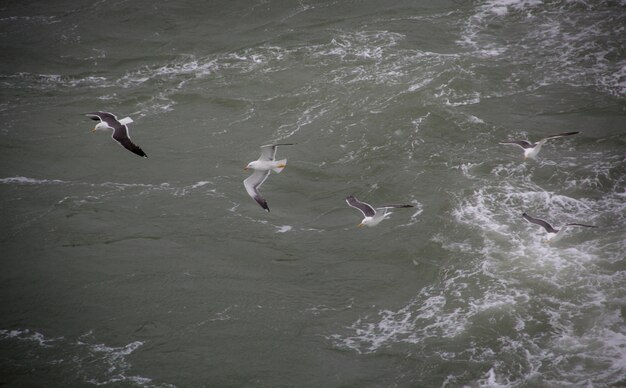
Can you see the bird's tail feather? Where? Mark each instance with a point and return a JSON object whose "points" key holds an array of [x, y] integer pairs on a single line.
{"points": [[126, 120], [280, 165]]}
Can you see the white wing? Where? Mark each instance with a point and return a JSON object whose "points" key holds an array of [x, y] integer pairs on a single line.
{"points": [[253, 182], [268, 152]]}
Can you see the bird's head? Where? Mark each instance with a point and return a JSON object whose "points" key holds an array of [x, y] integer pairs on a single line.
{"points": [[365, 222], [101, 126], [251, 165]]}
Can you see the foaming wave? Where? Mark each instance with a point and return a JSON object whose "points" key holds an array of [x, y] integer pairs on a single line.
{"points": [[536, 313], [359, 45], [53, 81], [20, 180], [94, 363], [115, 187], [567, 42], [565, 284], [31, 19], [27, 335]]}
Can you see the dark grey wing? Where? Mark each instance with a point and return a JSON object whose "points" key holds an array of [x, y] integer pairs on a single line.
{"points": [[252, 184], [107, 117], [522, 143], [269, 151], [539, 222], [586, 226], [395, 206], [563, 134], [363, 207], [120, 135]]}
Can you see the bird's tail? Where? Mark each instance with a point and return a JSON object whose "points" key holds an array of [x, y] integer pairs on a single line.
{"points": [[126, 120], [280, 164]]}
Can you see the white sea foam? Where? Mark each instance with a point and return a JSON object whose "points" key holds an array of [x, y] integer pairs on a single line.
{"points": [[566, 40], [31, 19], [94, 363], [28, 335], [20, 180], [283, 228], [508, 274]]}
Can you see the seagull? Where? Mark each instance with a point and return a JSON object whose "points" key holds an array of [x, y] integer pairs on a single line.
{"points": [[372, 217], [553, 234], [532, 149], [119, 127], [262, 168]]}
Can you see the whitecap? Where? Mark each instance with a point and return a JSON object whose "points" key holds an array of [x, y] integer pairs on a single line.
{"points": [[30, 181]]}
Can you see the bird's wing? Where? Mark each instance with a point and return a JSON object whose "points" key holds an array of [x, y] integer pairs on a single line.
{"points": [[545, 139], [107, 117], [252, 184], [563, 134], [120, 135], [366, 209], [394, 206], [269, 151], [522, 143], [584, 225], [541, 223]]}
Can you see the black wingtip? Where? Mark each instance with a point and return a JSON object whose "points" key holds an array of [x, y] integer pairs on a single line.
{"points": [[263, 203]]}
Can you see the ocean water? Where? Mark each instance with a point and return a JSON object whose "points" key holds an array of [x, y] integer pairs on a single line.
{"points": [[119, 271]]}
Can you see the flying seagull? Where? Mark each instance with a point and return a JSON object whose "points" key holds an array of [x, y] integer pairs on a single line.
{"points": [[532, 149], [372, 216], [553, 234], [119, 127], [262, 168]]}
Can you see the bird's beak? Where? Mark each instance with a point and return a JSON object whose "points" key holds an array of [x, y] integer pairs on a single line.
{"points": [[282, 165], [245, 168], [360, 225], [94, 129]]}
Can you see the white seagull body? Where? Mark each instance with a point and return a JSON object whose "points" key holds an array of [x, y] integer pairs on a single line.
{"points": [[109, 121], [373, 216], [552, 233], [262, 168], [532, 149]]}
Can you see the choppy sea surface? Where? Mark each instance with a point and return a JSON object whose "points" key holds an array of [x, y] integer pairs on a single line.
{"points": [[120, 271]]}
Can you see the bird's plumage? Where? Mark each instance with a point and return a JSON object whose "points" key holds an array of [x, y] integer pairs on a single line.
{"points": [[253, 182], [365, 208], [268, 152], [540, 222], [552, 231], [373, 216], [532, 149], [120, 131], [262, 168]]}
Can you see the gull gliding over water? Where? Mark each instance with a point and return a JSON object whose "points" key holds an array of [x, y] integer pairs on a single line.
{"points": [[120, 130], [532, 149], [553, 234], [372, 216], [262, 168]]}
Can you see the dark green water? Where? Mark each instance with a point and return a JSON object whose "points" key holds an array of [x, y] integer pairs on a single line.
{"points": [[163, 272]]}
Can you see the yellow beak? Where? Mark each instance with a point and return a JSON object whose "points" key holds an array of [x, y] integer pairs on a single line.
{"points": [[360, 225], [94, 129]]}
